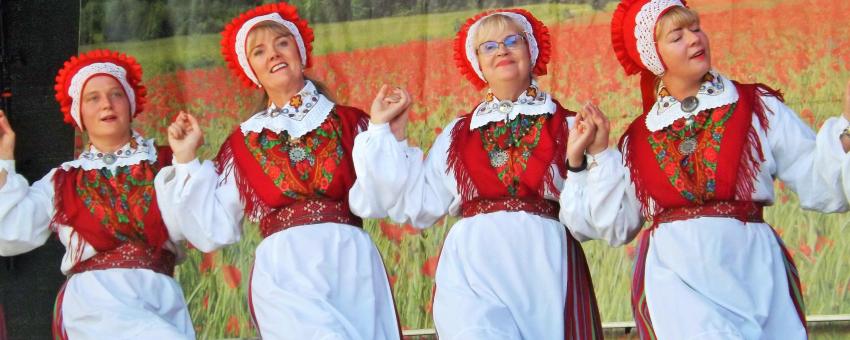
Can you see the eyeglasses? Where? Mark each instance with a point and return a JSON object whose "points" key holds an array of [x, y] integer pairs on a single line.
{"points": [[511, 42]]}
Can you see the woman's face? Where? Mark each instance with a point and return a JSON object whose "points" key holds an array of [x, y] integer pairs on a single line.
{"points": [[105, 107], [685, 51], [504, 63], [273, 55]]}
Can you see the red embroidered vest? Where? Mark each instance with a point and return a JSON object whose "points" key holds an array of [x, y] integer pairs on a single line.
{"points": [[525, 172], [110, 209], [273, 171], [722, 167]]}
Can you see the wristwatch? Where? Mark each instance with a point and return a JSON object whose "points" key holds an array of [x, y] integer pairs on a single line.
{"points": [[581, 167]]}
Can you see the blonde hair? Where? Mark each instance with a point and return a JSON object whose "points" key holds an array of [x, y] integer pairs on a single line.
{"points": [[277, 28], [494, 23], [676, 17], [267, 26]]}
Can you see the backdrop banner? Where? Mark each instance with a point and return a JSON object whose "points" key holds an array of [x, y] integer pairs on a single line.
{"points": [[799, 46]]}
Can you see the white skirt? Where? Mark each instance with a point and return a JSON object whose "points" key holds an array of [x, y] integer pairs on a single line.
{"points": [[122, 304], [322, 281]]}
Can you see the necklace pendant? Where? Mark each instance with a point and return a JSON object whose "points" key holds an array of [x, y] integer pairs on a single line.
{"points": [[505, 106], [688, 146], [109, 158], [690, 104]]}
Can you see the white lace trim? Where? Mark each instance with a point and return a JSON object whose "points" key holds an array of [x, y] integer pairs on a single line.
{"points": [[712, 94], [242, 36], [488, 111], [297, 121], [93, 158], [518, 18], [79, 80], [645, 22]]}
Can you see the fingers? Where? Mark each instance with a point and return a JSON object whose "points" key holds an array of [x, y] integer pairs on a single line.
{"points": [[406, 100], [382, 93], [193, 122], [5, 126], [176, 132]]}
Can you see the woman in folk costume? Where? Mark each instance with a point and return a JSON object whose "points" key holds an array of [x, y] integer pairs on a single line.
{"points": [[103, 207], [508, 269], [700, 163], [317, 274]]}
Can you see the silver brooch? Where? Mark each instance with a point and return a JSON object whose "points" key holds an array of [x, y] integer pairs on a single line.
{"points": [[688, 146], [109, 158], [505, 106], [297, 154], [498, 158], [690, 104]]}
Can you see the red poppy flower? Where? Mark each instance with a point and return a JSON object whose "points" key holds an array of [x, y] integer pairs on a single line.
{"points": [[429, 268], [232, 276]]}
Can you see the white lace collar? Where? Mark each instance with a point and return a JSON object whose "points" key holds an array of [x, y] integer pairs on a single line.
{"points": [[713, 93], [137, 150], [303, 113], [532, 102]]}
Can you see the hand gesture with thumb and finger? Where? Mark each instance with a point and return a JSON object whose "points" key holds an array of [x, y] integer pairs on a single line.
{"points": [[582, 135], [185, 137]]}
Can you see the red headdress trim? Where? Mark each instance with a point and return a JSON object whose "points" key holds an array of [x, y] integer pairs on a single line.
{"points": [[122, 67], [635, 48]]}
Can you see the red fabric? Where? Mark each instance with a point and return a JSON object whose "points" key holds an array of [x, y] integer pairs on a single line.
{"points": [[130, 256], [57, 326], [623, 39], [259, 193], [73, 65], [536, 206], [228, 36], [581, 311], [476, 178], [71, 211], [541, 34], [3, 335], [303, 212], [736, 169]]}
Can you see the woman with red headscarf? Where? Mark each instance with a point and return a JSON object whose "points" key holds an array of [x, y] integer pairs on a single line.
{"points": [[700, 163], [508, 269], [317, 274], [120, 256]]}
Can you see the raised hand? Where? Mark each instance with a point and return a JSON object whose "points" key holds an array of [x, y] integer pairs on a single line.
{"points": [[7, 138], [582, 135], [388, 104], [603, 129], [185, 137]]}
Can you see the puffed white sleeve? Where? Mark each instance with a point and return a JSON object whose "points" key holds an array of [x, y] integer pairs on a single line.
{"points": [[199, 205], [399, 184], [809, 164], [600, 202], [25, 211]]}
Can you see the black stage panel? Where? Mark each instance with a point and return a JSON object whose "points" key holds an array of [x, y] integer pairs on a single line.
{"points": [[38, 36]]}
